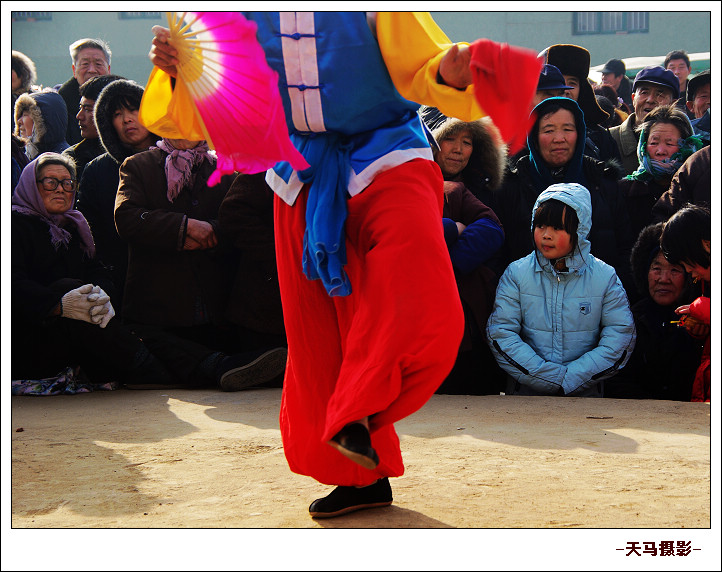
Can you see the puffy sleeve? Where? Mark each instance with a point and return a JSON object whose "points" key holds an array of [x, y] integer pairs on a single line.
{"points": [[412, 45], [504, 336]]}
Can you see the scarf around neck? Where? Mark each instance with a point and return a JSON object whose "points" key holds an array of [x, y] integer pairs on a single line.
{"points": [[650, 169], [27, 200], [179, 165]]}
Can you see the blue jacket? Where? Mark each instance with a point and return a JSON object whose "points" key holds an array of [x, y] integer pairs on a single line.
{"points": [[561, 333]]}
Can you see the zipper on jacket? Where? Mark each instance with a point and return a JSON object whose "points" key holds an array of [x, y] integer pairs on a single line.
{"points": [[612, 368]]}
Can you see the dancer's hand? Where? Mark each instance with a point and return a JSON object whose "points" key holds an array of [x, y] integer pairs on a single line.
{"points": [[162, 54], [454, 67]]}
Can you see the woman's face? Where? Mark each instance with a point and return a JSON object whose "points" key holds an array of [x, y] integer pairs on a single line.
{"points": [[130, 131], [25, 125], [454, 153], [557, 137], [663, 141], [59, 200], [665, 281]]}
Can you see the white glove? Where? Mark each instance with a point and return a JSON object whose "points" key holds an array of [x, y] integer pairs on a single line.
{"points": [[103, 311], [105, 315], [76, 305]]}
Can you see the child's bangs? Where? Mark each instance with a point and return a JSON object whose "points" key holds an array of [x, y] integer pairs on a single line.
{"points": [[551, 213]]}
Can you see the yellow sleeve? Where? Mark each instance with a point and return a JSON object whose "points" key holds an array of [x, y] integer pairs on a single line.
{"points": [[412, 46]]}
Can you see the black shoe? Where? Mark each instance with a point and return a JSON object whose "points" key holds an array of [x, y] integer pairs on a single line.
{"points": [[239, 371], [354, 441], [343, 500]]}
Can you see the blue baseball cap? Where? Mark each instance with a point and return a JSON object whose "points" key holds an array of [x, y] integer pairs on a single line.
{"points": [[551, 78], [658, 76]]}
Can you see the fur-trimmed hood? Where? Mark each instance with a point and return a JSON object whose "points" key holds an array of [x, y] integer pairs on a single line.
{"points": [[119, 93], [487, 159], [50, 119]]}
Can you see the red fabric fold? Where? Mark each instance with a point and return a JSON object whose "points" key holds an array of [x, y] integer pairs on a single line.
{"points": [[505, 80]]}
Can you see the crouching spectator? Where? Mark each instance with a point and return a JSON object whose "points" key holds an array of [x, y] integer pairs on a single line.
{"points": [[561, 322], [61, 311], [178, 283]]}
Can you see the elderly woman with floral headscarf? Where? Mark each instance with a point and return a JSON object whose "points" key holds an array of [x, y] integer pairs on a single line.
{"points": [[666, 140], [61, 313]]}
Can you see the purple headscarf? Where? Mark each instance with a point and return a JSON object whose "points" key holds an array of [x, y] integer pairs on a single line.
{"points": [[180, 162], [27, 200]]}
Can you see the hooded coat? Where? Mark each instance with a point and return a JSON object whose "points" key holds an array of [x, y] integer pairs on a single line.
{"points": [[561, 333], [611, 237], [50, 120], [99, 183]]}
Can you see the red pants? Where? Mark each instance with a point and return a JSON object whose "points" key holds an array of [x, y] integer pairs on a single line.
{"points": [[381, 351]]}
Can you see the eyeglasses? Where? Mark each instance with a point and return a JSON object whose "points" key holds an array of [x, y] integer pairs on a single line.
{"points": [[50, 184]]}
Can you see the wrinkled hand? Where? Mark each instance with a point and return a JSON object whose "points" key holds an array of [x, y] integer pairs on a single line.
{"points": [[199, 235], [162, 54], [454, 67], [460, 227]]}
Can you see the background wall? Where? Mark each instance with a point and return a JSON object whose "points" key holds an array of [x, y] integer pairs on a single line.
{"points": [[46, 41]]}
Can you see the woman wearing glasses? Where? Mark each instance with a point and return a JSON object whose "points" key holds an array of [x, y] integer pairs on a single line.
{"points": [[61, 311]]}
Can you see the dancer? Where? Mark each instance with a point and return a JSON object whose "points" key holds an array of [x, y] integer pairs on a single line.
{"points": [[373, 320]]}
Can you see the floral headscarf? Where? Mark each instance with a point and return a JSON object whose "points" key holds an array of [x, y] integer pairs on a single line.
{"points": [[27, 200], [652, 169]]}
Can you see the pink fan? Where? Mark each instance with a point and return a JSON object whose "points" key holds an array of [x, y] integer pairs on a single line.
{"points": [[234, 91]]}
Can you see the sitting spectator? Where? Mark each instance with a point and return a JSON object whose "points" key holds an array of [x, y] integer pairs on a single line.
{"points": [[614, 75], [245, 222], [686, 241], [653, 86], [665, 142], [561, 322], [573, 62], [122, 135], [61, 314], [473, 233], [177, 284], [90, 58], [40, 121], [90, 146], [692, 183], [665, 357], [24, 77], [556, 155], [698, 104]]}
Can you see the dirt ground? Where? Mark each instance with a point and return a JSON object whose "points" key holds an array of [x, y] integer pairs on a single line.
{"points": [[169, 459]]}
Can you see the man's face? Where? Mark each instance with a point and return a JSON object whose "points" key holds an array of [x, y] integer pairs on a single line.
{"points": [[573, 82], [85, 119], [91, 62], [647, 96], [701, 102], [680, 69], [610, 79]]}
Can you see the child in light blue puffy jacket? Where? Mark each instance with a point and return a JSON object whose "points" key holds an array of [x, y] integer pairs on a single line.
{"points": [[561, 322]]}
